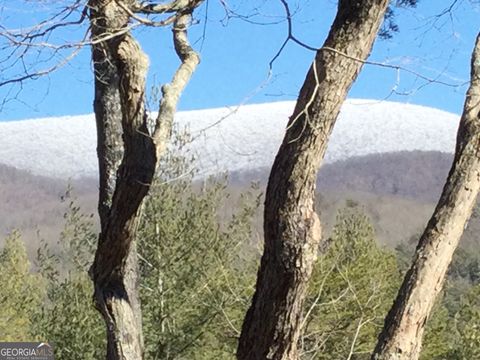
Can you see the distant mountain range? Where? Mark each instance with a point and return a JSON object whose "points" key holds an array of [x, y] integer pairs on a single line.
{"points": [[417, 175], [390, 158], [397, 190], [237, 139]]}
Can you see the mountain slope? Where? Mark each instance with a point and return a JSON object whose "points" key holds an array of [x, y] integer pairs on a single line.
{"points": [[233, 139], [392, 158], [397, 190], [418, 175]]}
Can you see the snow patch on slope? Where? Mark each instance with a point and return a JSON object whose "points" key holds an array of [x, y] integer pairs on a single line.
{"points": [[233, 139]]}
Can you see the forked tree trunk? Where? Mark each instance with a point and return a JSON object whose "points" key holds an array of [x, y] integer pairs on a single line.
{"points": [[116, 292], [291, 226], [128, 155], [401, 338]]}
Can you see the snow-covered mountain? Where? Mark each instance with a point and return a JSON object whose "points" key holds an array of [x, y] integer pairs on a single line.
{"points": [[233, 139]]}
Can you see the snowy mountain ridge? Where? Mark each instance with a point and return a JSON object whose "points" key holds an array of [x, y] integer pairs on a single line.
{"points": [[235, 139]]}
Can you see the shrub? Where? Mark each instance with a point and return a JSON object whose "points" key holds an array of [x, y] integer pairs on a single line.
{"points": [[352, 288], [21, 291]]}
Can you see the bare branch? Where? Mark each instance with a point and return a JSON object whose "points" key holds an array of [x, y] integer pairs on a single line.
{"points": [[249, 18], [168, 21], [291, 37], [37, 74], [32, 34], [19, 43], [396, 67], [174, 6], [171, 92]]}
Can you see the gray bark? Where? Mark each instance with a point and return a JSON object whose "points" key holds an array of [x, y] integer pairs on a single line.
{"points": [[123, 318], [128, 156], [401, 338], [291, 226]]}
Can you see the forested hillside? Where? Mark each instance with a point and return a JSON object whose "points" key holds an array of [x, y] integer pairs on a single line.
{"points": [[397, 190]]}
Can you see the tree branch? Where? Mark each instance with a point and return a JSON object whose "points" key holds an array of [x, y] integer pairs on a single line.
{"points": [[171, 92], [174, 6]]}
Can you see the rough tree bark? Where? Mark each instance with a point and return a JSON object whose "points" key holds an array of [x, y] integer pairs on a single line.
{"points": [[401, 338], [291, 226], [128, 156], [107, 105], [116, 296]]}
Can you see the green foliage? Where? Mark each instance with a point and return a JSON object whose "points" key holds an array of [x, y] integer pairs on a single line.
{"points": [[352, 288], [67, 316], [466, 266], [194, 263], [21, 291], [454, 336], [198, 269], [467, 324], [438, 339]]}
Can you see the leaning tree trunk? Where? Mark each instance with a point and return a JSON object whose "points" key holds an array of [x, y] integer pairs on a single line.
{"points": [[401, 338], [128, 155], [291, 226]]}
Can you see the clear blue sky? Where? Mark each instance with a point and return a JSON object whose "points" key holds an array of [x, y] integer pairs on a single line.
{"points": [[235, 56]]}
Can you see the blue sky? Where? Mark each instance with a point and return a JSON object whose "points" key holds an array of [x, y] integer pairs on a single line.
{"points": [[235, 56]]}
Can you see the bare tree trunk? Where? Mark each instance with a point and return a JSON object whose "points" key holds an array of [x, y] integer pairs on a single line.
{"points": [[128, 156], [401, 337], [116, 292], [292, 229]]}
